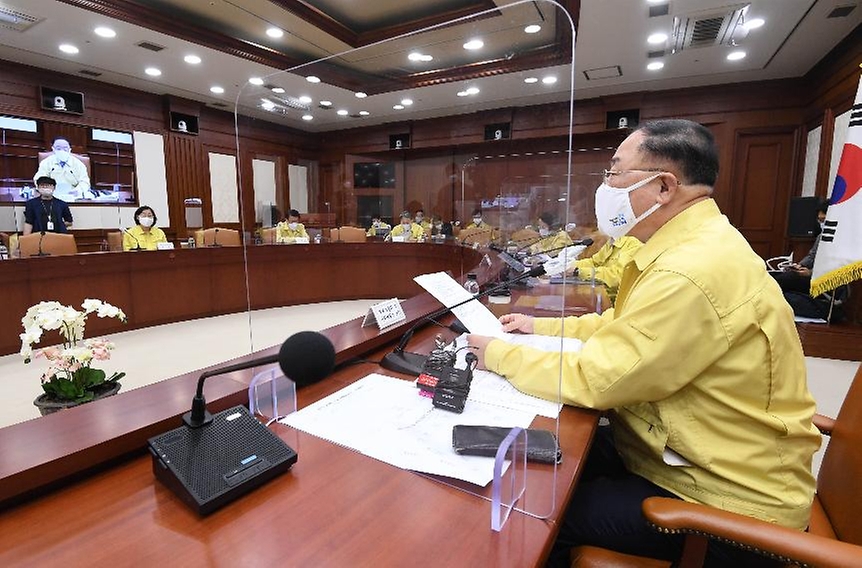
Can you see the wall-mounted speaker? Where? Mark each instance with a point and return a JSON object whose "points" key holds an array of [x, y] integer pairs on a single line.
{"points": [[57, 100], [501, 131]]}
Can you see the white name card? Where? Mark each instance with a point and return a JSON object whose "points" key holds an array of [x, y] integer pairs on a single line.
{"points": [[384, 314], [164, 246], [301, 240], [399, 239]]}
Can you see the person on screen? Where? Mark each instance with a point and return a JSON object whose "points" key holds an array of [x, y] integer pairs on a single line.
{"points": [[378, 227], [553, 237], [290, 230], [144, 235], [68, 171], [608, 263], [699, 367], [406, 230], [46, 213]]}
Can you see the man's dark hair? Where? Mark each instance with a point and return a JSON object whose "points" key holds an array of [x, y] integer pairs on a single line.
{"points": [[822, 206], [684, 143], [45, 180], [548, 218], [293, 213]]}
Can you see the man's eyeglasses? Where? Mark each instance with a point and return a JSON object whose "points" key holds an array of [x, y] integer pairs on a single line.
{"points": [[608, 174]]}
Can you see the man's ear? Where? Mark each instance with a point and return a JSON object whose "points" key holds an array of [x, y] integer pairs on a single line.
{"points": [[669, 187]]}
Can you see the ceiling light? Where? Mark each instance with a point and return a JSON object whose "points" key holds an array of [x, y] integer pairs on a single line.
{"points": [[364, 113], [68, 48], [655, 65], [313, 79], [472, 91], [267, 105], [657, 38], [462, 93], [533, 29], [735, 55], [414, 56], [341, 112], [256, 81], [153, 71], [326, 103], [278, 90], [531, 80], [307, 117], [427, 58], [305, 99], [754, 24], [274, 32], [549, 80], [474, 44], [407, 102], [192, 59], [216, 89], [398, 107], [102, 31], [360, 95]]}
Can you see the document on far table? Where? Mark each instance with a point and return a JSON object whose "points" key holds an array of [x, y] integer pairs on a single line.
{"points": [[386, 419]]}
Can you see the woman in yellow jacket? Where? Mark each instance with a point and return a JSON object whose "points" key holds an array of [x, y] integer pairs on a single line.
{"points": [[554, 239], [144, 235], [292, 229]]}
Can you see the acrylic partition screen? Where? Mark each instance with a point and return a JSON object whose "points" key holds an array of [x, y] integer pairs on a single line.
{"points": [[453, 137]]}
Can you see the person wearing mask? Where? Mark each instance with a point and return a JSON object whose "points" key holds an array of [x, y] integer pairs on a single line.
{"points": [[608, 263], [144, 235], [69, 173], [478, 222], [407, 230], [420, 220], [700, 368], [46, 213], [553, 238], [290, 230], [378, 227]]}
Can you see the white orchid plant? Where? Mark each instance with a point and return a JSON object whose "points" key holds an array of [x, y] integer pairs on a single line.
{"points": [[69, 375]]}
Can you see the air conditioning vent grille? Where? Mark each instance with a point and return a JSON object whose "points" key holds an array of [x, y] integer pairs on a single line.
{"points": [[151, 46], [15, 20], [707, 28]]}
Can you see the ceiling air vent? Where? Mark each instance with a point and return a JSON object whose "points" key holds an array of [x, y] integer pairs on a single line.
{"points": [[12, 19], [151, 46], [707, 29], [89, 73], [841, 11], [658, 10]]}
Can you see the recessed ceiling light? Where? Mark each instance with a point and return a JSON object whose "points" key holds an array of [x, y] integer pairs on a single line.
{"points": [[407, 102], [462, 93], [655, 65], [216, 89], [364, 113], [341, 112], [68, 48], [474, 44], [657, 38], [754, 23], [326, 103], [307, 117], [313, 79], [153, 71], [305, 99], [256, 81], [278, 90], [472, 91], [398, 107], [735, 55], [531, 80], [414, 56], [274, 32], [360, 95], [192, 59], [533, 29], [267, 105], [549, 80], [102, 31]]}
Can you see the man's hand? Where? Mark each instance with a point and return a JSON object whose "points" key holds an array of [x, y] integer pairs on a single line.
{"points": [[517, 322]]}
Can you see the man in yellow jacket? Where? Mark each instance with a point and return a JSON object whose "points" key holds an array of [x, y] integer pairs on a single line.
{"points": [[701, 369], [406, 230], [608, 263], [291, 230]]}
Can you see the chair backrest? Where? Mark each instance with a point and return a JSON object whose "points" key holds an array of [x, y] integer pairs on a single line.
{"points": [[524, 237], [51, 243], [476, 235], [115, 241], [268, 235], [219, 236], [839, 482], [84, 159], [349, 235]]}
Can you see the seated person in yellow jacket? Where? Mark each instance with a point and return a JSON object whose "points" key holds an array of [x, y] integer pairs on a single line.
{"points": [[144, 235], [378, 226], [608, 262], [419, 219], [478, 222], [290, 230], [407, 230], [554, 239]]}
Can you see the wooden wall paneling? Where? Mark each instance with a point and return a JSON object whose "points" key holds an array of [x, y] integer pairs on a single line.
{"points": [[428, 184], [764, 175], [188, 176]]}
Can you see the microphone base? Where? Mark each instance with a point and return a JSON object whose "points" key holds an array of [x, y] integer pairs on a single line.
{"points": [[187, 419], [41, 254], [404, 362]]}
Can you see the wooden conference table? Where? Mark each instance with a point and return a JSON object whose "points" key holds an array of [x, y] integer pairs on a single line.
{"points": [[76, 488]]}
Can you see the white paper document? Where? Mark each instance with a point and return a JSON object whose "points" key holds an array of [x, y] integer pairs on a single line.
{"points": [[385, 418], [474, 315]]}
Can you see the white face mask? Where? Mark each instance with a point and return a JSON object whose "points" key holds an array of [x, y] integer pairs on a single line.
{"points": [[146, 221], [375, 224], [543, 232], [293, 226], [46, 191], [477, 220], [419, 219], [405, 226], [62, 155], [614, 211]]}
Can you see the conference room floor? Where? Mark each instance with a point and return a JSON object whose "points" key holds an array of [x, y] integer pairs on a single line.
{"points": [[153, 354]]}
